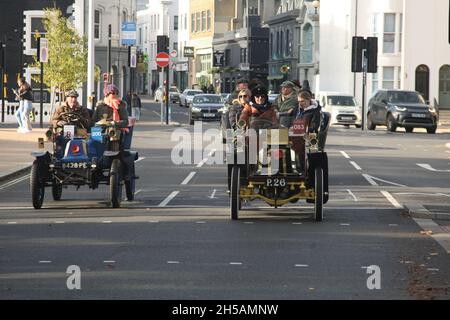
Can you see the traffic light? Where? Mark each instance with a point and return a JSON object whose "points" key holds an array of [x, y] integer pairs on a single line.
{"points": [[372, 54], [162, 44], [358, 45]]}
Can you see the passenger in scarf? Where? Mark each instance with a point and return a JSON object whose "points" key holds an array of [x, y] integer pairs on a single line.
{"points": [[112, 108]]}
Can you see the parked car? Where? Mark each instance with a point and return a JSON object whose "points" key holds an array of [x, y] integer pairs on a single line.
{"points": [[174, 94], [400, 108], [343, 108], [187, 96], [205, 107]]}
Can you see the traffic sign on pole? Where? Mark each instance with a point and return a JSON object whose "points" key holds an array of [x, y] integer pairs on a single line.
{"points": [[162, 59]]}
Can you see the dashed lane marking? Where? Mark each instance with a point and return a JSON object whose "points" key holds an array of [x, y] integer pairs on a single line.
{"points": [[354, 164], [346, 156], [353, 195], [173, 262], [44, 262], [236, 263], [168, 199], [188, 178], [392, 199]]}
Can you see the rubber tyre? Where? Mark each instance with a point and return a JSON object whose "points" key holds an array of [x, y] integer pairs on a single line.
{"points": [[37, 186], [318, 189], [115, 187], [235, 203], [409, 129], [390, 123], [432, 130], [130, 189], [358, 126], [370, 125], [56, 190], [191, 121]]}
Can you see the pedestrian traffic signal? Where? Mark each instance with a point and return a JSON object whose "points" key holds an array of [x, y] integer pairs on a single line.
{"points": [[358, 46], [372, 54]]}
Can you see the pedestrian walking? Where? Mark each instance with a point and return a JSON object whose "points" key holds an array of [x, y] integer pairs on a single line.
{"points": [[136, 106], [25, 97], [153, 87]]}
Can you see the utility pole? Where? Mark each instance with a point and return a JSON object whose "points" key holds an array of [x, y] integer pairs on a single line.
{"points": [[109, 50], [2, 62], [91, 56]]}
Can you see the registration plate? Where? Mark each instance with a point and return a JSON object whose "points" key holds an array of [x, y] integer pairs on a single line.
{"points": [[276, 182], [347, 118], [209, 115], [75, 165], [418, 115]]}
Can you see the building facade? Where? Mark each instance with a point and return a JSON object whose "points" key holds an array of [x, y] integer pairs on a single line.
{"points": [[160, 18], [411, 55], [245, 47]]}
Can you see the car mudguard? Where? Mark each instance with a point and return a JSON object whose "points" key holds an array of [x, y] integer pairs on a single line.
{"points": [[42, 156], [128, 159], [318, 160]]}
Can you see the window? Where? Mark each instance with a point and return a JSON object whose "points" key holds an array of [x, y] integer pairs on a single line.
{"points": [[140, 36], [399, 84], [197, 17], [389, 33], [203, 20], [192, 23], [374, 83], [244, 55], [209, 20], [388, 77], [271, 46], [288, 44], [400, 35], [97, 21], [185, 22], [307, 49], [175, 46], [281, 44], [37, 26], [175, 23]]}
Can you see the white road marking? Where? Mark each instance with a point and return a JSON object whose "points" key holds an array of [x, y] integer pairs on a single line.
{"points": [[345, 224], [301, 266], [249, 222], [430, 168], [45, 262], [168, 199], [188, 178], [159, 115], [393, 225], [392, 199], [346, 156], [297, 223], [139, 191], [213, 195], [353, 195], [353, 163], [140, 159], [12, 222], [60, 222], [173, 262], [109, 261], [433, 269], [201, 222], [236, 263], [15, 181], [106, 221], [201, 163], [372, 179], [153, 221], [212, 152]]}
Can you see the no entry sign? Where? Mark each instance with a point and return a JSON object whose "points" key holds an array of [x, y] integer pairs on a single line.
{"points": [[162, 59]]}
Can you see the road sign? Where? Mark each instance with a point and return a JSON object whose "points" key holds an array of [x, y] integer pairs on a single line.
{"points": [[132, 62], [162, 59], [174, 53], [128, 33], [43, 50], [188, 52], [219, 59]]}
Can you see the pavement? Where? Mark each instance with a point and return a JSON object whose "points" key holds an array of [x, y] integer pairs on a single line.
{"points": [[17, 147]]}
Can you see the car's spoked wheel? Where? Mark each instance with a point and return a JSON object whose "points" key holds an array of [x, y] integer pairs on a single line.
{"points": [[56, 190], [235, 201], [37, 186], [115, 186], [318, 190]]}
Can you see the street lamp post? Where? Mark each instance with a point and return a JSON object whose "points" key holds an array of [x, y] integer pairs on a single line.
{"points": [[91, 55]]}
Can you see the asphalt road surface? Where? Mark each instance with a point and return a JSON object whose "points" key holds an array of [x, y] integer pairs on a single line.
{"points": [[176, 240]]}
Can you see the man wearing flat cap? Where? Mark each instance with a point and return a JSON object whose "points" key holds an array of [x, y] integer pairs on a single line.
{"points": [[287, 104], [71, 105]]}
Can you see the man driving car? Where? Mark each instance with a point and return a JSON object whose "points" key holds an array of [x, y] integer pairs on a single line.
{"points": [[71, 105]]}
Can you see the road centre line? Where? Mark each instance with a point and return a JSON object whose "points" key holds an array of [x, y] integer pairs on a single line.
{"points": [[353, 195], [139, 191], [188, 178], [168, 199], [45, 262], [371, 180], [392, 199], [346, 156], [236, 263], [353, 163], [201, 163]]}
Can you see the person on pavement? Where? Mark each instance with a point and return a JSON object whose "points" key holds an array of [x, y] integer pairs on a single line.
{"points": [[136, 106], [24, 94], [286, 103], [71, 105], [112, 108]]}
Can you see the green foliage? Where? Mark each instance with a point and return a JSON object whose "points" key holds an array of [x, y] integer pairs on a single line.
{"points": [[67, 67]]}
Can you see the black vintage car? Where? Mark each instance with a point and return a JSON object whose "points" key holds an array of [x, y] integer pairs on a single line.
{"points": [[400, 108]]}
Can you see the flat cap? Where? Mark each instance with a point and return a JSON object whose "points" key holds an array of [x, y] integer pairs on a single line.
{"points": [[72, 93], [288, 84]]}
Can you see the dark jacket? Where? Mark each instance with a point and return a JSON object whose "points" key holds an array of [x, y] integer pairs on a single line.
{"points": [[85, 118], [234, 113], [312, 116], [104, 111]]}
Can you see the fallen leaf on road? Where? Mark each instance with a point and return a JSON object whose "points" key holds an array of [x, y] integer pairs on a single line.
{"points": [[428, 233]]}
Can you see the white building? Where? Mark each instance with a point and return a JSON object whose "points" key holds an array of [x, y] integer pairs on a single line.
{"points": [[160, 18], [182, 63], [413, 45]]}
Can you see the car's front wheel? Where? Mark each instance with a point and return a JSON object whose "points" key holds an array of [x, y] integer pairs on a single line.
{"points": [[390, 123], [370, 124], [409, 129], [432, 130]]}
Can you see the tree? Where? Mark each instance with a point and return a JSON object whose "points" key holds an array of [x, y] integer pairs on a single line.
{"points": [[67, 66]]}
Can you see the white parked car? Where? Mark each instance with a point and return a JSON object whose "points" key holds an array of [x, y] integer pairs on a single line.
{"points": [[343, 108], [187, 96]]}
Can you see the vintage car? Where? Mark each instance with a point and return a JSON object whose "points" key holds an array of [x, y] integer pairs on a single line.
{"points": [[279, 165], [81, 158]]}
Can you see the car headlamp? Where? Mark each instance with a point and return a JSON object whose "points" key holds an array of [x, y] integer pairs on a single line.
{"points": [[401, 109], [195, 109]]}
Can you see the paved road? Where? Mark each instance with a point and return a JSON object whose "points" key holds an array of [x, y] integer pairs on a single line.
{"points": [[176, 241]]}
